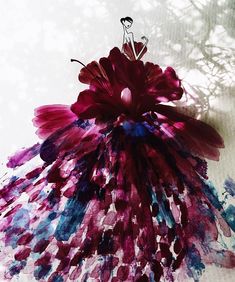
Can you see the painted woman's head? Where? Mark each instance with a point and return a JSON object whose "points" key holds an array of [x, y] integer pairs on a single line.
{"points": [[127, 22]]}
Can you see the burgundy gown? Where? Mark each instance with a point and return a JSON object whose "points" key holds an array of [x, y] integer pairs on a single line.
{"points": [[122, 192]]}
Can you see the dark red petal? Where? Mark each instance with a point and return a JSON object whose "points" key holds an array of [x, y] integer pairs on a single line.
{"points": [[85, 99], [129, 51], [195, 135], [108, 69], [195, 127], [188, 142], [23, 254], [91, 71], [168, 86], [152, 72]]}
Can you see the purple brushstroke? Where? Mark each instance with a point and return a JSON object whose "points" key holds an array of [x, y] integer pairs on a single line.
{"points": [[24, 155]]}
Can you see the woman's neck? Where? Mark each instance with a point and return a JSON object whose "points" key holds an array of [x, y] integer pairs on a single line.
{"points": [[125, 29]]}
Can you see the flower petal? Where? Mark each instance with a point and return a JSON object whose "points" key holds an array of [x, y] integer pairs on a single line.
{"points": [[195, 135], [49, 118]]}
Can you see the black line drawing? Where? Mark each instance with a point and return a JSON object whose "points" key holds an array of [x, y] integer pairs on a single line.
{"points": [[128, 36]]}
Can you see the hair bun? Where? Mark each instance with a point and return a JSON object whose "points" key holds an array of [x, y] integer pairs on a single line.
{"points": [[129, 19]]}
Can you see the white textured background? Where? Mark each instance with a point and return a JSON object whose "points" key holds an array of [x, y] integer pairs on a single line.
{"points": [[38, 38]]}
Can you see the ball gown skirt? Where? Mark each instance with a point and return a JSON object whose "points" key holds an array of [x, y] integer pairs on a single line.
{"points": [[122, 192]]}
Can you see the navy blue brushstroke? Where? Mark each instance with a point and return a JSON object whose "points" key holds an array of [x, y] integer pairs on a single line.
{"points": [[48, 151], [44, 229], [57, 278], [73, 214], [194, 263], [21, 221], [42, 271], [16, 267], [70, 219], [229, 186], [135, 129], [212, 195], [84, 124]]}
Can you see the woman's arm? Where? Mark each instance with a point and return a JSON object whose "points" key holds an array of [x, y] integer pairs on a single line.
{"points": [[146, 42], [123, 38], [123, 41], [131, 38]]}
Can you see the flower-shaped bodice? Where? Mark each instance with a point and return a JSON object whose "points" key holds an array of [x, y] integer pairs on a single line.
{"points": [[118, 85]]}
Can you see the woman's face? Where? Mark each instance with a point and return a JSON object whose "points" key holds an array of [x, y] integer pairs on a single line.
{"points": [[127, 24]]}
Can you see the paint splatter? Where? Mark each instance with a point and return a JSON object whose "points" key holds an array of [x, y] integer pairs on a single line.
{"points": [[122, 192]]}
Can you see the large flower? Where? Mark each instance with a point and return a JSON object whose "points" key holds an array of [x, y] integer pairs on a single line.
{"points": [[118, 86], [130, 89]]}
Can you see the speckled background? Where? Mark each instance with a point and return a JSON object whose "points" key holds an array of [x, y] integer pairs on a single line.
{"points": [[38, 38]]}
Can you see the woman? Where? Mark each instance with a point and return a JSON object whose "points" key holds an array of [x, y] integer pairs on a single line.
{"points": [[128, 40]]}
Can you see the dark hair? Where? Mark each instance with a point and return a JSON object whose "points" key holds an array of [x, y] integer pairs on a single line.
{"points": [[129, 19]]}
